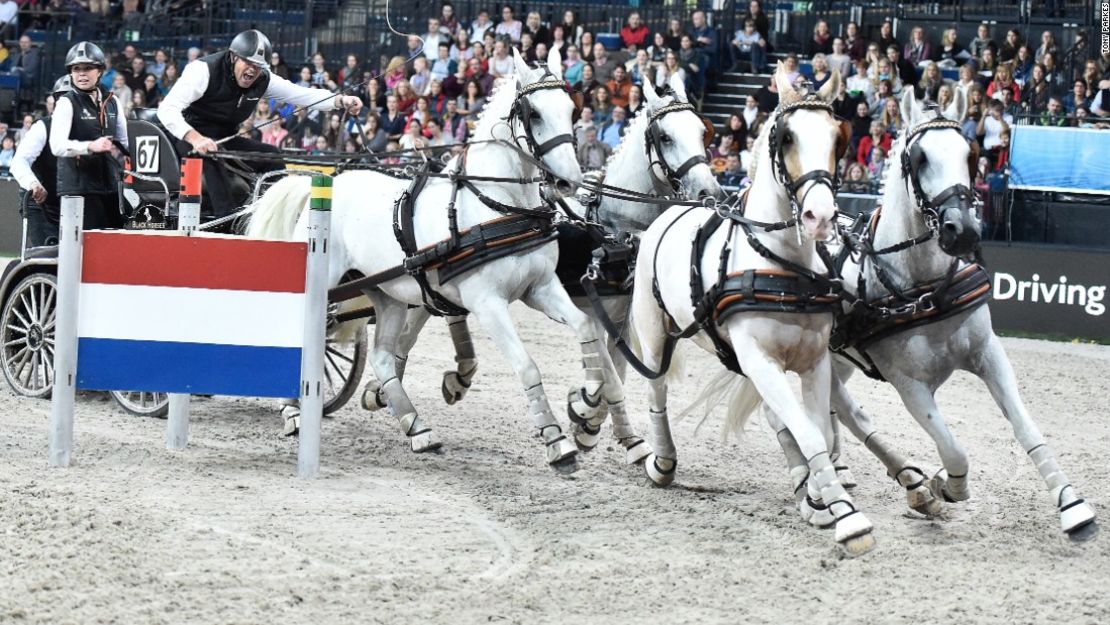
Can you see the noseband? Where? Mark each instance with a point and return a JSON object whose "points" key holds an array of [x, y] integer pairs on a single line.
{"points": [[930, 207], [778, 155], [522, 110], [655, 137]]}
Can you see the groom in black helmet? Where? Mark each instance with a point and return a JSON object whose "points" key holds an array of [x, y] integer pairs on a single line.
{"points": [[216, 93]]}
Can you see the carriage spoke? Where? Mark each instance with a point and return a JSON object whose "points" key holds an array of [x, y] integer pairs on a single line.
{"points": [[28, 307], [15, 311], [17, 329], [47, 303], [336, 352], [33, 303], [22, 341], [35, 369], [327, 378], [21, 366]]}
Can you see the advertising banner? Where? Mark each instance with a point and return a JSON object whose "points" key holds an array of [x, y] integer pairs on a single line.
{"points": [[1049, 290]]}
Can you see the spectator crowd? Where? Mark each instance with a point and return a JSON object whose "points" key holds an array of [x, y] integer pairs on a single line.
{"points": [[432, 94]]}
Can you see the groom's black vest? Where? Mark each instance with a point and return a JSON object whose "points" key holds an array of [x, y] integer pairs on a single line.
{"points": [[224, 105]]}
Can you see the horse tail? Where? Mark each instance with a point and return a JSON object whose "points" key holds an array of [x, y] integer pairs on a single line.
{"points": [[737, 393], [275, 214]]}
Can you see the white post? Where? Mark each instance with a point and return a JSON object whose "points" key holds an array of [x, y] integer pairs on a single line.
{"points": [[188, 219], [65, 330], [316, 307]]}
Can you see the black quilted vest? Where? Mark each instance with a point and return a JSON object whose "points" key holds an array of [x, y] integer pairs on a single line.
{"points": [[224, 105], [90, 173], [45, 169]]}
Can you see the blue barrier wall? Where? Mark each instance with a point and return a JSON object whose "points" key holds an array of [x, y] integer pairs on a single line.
{"points": [[1059, 159]]}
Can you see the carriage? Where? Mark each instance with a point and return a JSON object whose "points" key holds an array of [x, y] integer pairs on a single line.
{"points": [[149, 194]]}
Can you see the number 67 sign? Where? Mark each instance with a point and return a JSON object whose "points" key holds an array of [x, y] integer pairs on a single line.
{"points": [[147, 157]]}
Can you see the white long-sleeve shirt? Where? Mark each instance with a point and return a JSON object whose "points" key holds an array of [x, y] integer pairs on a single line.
{"points": [[28, 151], [64, 147], [194, 82]]}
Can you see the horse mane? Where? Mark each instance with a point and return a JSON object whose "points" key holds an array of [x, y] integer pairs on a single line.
{"points": [[638, 124], [497, 107]]}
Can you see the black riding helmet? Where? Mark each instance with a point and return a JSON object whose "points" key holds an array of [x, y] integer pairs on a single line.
{"points": [[62, 85], [253, 47], [86, 53]]}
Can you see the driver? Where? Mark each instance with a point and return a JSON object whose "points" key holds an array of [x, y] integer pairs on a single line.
{"points": [[216, 93], [85, 123]]}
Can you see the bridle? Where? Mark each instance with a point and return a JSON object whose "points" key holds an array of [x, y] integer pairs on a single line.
{"points": [[911, 162], [654, 138], [818, 177], [522, 111]]}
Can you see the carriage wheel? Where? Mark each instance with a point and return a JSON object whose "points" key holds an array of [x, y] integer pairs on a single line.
{"points": [[28, 336], [142, 403], [344, 363]]}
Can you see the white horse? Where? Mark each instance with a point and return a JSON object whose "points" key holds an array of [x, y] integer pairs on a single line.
{"points": [[926, 164], [789, 206], [662, 154], [533, 111]]}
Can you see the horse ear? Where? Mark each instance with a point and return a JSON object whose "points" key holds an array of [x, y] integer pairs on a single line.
{"points": [[831, 89], [555, 63], [678, 86], [909, 107], [787, 93], [522, 70], [650, 96], [958, 108]]}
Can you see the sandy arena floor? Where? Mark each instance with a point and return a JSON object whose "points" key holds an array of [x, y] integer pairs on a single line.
{"points": [[485, 532]]}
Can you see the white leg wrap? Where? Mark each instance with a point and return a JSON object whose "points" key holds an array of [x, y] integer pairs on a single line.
{"points": [[593, 368], [538, 407], [291, 412], [400, 362], [635, 448], [1054, 477], [412, 425], [853, 529], [661, 435]]}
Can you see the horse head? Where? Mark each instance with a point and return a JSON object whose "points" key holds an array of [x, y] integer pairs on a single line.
{"points": [[543, 111], [805, 145], [677, 139], [938, 168]]}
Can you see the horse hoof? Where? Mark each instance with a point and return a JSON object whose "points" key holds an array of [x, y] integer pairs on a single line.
{"points": [[292, 415], [858, 545], [581, 410], [922, 501], [560, 449], [372, 399], [565, 466], [816, 514], [453, 387], [845, 477], [1077, 519], [852, 526], [586, 436], [660, 470], [424, 442], [636, 451], [941, 488], [1084, 533]]}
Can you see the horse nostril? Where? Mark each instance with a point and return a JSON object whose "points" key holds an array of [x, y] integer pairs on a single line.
{"points": [[564, 187], [951, 227], [703, 194], [809, 216]]}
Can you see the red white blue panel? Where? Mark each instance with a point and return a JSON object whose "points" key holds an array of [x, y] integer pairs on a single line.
{"points": [[202, 314]]}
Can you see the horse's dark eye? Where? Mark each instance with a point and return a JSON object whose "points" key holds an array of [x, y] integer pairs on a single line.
{"points": [[787, 139], [666, 139], [535, 116]]}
